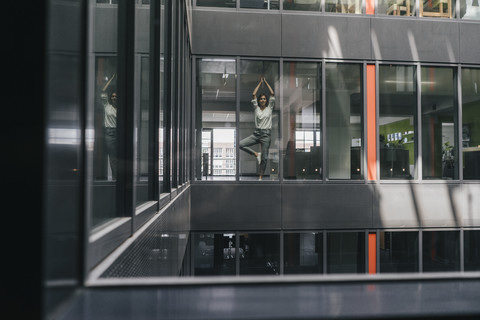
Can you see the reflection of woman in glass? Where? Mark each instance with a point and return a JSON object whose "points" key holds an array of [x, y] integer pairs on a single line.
{"points": [[263, 108], [109, 102]]}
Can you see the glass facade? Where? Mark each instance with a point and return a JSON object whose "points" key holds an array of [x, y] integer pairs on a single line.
{"points": [[320, 252], [142, 105], [303, 253], [262, 253], [216, 103], [135, 116], [441, 251], [302, 120], [471, 250], [102, 123], [399, 251], [215, 254], [471, 124], [344, 121], [397, 121], [258, 129], [439, 123], [230, 151], [346, 252]]}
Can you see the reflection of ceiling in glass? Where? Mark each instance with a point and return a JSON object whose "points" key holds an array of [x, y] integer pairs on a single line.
{"points": [[218, 116], [217, 94], [386, 120]]}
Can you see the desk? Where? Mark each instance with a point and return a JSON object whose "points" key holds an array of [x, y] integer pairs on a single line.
{"points": [[436, 8]]}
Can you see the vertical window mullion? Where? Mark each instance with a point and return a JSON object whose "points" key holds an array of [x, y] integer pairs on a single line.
{"points": [[154, 121]]}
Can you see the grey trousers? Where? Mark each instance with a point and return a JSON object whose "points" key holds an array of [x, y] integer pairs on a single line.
{"points": [[262, 137], [111, 142]]}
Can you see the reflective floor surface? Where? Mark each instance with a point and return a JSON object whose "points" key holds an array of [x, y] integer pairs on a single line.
{"points": [[415, 299]]}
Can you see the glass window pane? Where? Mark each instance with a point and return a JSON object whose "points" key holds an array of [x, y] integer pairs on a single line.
{"points": [[439, 123], [344, 121], [217, 3], [305, 5], [259, 136], [399, 251], [469, 9], [101, 130], [437, 8], [397, 118], [216, 104], [471, 123], [303, 253], [441, 251], [346, 252], [260, 4], [302, 120], [142, 103], [214, 254], [396, 7], [472, 250], [344, 6], [262, 253]]}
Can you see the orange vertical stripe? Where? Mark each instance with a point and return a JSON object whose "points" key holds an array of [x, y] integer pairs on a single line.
{"points": [[370, 7], [432, 147], [292, 74], [372, 253], [371, 124]]}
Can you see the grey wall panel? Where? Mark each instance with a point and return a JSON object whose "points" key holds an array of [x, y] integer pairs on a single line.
{"points": [[419, 205], [327, 206], [338, 37], [471, 200], [106, 25], [179, 212], [415, 40], [470, 42], [105, 22], [61, 171], [396, 206], [439, 205], [236, 33], [314, 36], [142, 32], [235, 207], [334, 206], [64, 21]]}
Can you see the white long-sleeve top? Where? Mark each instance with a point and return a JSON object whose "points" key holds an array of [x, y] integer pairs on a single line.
{"points": [[263, 118], [110, 113]]}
